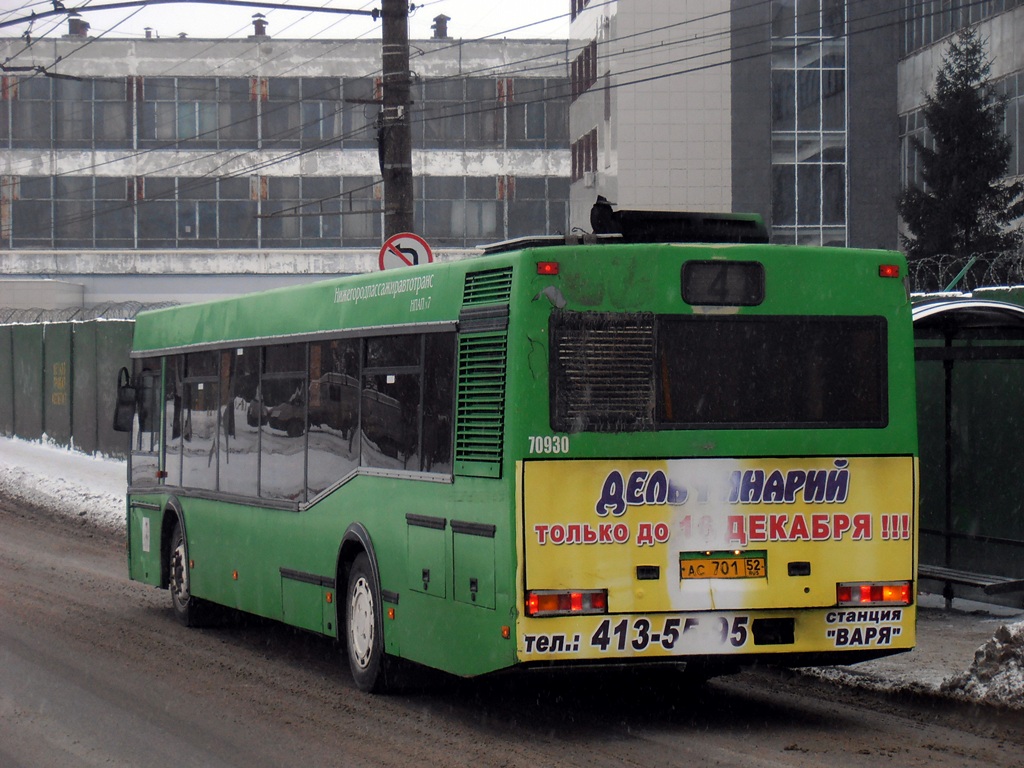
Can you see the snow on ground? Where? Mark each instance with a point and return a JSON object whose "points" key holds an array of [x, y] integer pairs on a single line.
{"points": [[76, 485], [65, 481]]}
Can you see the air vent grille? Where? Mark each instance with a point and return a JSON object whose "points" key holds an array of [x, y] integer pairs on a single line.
{"points": [[601, 372], [479, 419], [490, 286]]}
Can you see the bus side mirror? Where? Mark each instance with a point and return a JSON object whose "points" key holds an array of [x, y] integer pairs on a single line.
{"points": [[124, 411]]}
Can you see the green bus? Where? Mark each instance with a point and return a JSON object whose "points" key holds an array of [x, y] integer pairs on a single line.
{"points": [[564, 451]]}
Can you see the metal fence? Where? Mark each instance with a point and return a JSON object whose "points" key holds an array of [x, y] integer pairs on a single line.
{"points": [[58, 374]]}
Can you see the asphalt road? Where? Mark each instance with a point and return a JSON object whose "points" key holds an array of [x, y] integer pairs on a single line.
{"points": [[94, 671]]}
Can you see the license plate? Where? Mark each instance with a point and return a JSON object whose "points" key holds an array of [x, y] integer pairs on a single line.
{"points": [[723, 565]]}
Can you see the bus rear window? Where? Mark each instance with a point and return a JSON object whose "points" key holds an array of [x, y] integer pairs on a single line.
{"points": [[723, 283], [715, 372]]}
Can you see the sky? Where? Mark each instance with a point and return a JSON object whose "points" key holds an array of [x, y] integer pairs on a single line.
{"points": [[470, 19], [91, 490]]}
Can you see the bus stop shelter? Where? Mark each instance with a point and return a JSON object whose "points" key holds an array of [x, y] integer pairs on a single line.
{"points": [[970, 387]]}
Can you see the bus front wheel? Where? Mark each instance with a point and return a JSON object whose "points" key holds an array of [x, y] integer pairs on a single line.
{"points": [[186, 607], [365, 641]]}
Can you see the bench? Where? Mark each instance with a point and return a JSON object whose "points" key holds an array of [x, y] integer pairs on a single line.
{"points": [[989, 584]]}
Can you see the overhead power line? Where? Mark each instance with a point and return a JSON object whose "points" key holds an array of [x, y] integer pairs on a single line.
{"points": [[62, 11]]}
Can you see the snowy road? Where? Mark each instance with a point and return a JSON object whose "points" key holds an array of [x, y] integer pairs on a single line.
{"points": [[95, 671]]}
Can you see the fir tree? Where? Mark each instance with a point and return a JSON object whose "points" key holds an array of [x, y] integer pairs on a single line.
{"points": [[964, 209]]}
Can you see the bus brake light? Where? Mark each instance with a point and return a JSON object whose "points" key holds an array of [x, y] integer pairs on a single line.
{"points": [[889, 270], [551, 602], [896, 593], [547, 267]]}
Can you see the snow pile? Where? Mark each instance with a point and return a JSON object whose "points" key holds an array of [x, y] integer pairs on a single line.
{"points": [[64, 481], [997, 674]]}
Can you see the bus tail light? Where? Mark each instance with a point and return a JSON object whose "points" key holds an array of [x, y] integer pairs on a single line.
{"points": [[552, 602], [889, 270], [894, 593], [547, 267]]}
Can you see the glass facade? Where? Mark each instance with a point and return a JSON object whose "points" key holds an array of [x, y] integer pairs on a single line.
{"points": [[809, 122], [287, 118], [928, 21]]}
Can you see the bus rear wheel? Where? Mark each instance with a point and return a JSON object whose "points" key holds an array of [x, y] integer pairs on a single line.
{"points": [[363, 627]]}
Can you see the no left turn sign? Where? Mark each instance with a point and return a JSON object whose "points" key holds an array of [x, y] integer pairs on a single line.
{"points": [[405, 250]]}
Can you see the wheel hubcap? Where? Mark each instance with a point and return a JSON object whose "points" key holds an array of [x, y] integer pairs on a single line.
{"points": [[360, 623], [179, 575]]}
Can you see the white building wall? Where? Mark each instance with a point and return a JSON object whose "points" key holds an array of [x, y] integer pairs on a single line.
{"points": [[667, 145]]}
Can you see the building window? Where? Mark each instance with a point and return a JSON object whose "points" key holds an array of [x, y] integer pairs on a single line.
{"points": [[30, 111], [321, 111], [809, 120], [1013, 121], [8, 91], [483, 112], [282, 213], [362, 106], [440, 119], [484, 218], [578, 6], [440, 210], [584, 70], [157, 213], [527, 207], [362, 214], [584, 155], [196, 111], [280, 116], [72, 210], [237, 99], [111, 113], [31, 211], [114, 212], [237, 209]]}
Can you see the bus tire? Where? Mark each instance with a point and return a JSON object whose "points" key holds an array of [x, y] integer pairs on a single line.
{"points": [[364, 628], [187, 608]]}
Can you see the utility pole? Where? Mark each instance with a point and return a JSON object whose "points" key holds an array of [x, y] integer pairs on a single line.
{"points": [[394, 132]]}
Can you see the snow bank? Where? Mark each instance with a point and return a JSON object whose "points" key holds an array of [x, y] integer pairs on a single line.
{"points": [[64, 481], [997, 674]]}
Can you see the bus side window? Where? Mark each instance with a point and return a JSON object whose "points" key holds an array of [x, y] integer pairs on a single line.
{"points": [[407, 402], [333, 412], [283, 385], [173, 418], [438, 402], [390, 407], [145, 426], [241, 412], [201, 420]]}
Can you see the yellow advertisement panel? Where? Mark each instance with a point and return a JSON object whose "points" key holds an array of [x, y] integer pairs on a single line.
{"points": [[699, 555]]}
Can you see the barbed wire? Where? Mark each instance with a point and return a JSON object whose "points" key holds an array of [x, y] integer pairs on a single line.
{"points": [[980, 270]]}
